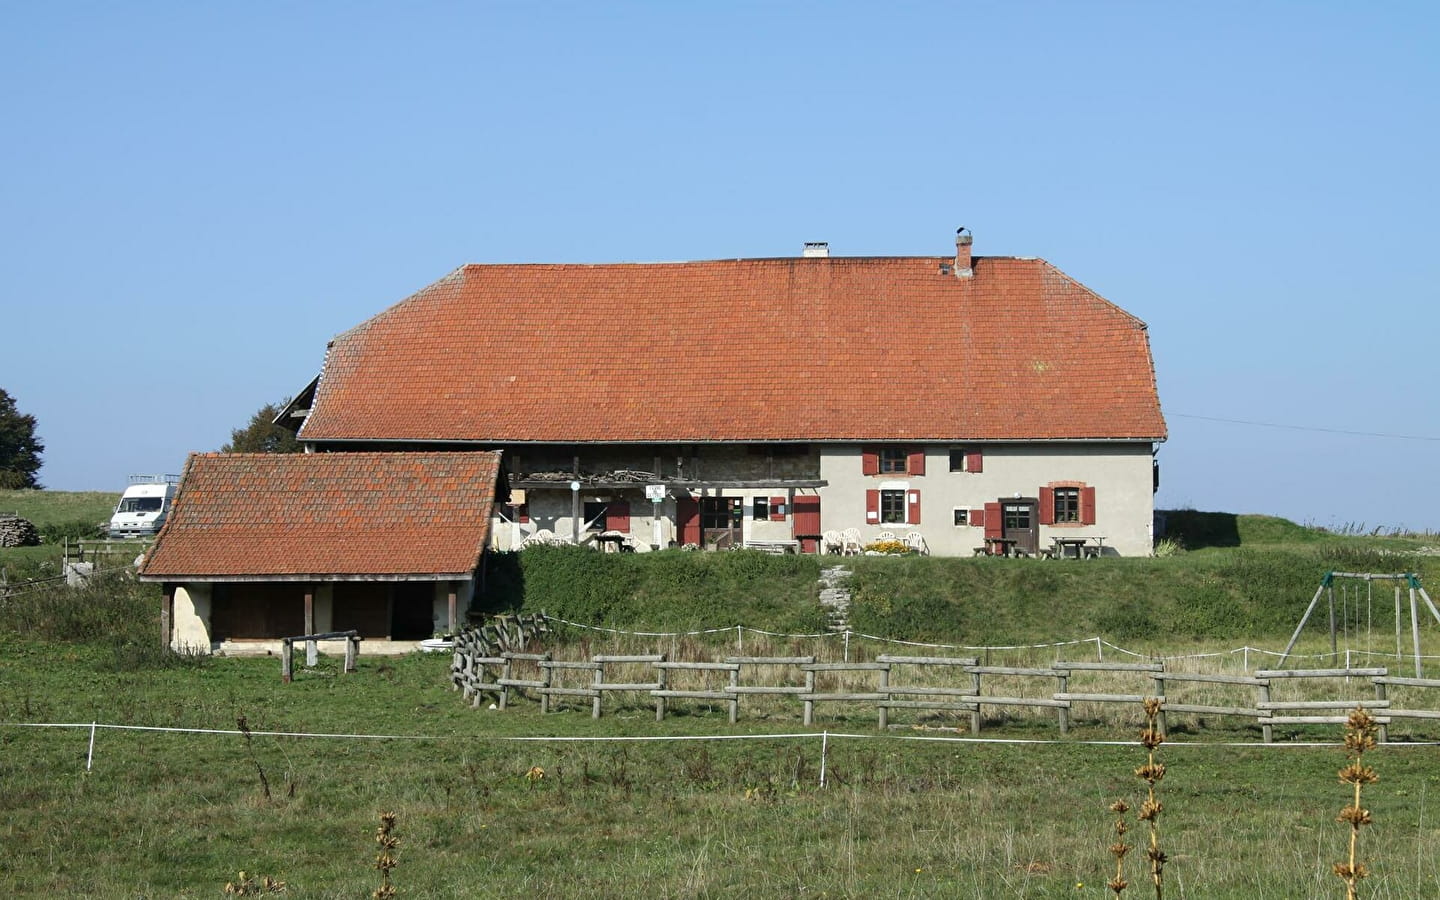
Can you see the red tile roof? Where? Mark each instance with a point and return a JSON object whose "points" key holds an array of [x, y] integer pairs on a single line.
{"points": [[801, 349], [327, 516]]}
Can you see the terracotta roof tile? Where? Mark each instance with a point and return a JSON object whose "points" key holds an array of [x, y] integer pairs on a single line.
{"points": [[327, 515], [743, 350]]}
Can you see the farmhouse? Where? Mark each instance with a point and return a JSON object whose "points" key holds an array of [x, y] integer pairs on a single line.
{"points": [[264, 546], [963, 402]]}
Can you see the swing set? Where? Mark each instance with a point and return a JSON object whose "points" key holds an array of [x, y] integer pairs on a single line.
{"points": [[1350, 610]]}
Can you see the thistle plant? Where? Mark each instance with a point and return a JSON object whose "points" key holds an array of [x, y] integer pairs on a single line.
{"points": [[246, 885], [1151, 773], [385, 860], [1360, 731], [1119, 848]]}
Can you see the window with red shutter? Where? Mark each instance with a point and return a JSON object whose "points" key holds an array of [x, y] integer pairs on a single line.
{"points": [[994, 523], [915, 462], [1087, 506], [1047, 506], [870, 461], [977, 517], [912, 508], [872, 507], [617, 516], [974, 460], [777, 509]]}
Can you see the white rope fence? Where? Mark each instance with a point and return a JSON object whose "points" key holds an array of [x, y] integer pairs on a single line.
{"points": [[825, 737]]}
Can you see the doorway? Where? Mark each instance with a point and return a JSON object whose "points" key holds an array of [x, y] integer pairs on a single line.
{"points": [[721, 520], [1020, 523]]}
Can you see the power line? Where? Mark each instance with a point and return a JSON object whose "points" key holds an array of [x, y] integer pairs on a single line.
{"points": [[1379, 434]]}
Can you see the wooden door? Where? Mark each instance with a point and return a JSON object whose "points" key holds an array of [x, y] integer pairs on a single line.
{"points": [[1020, 523], [687, 521], [807, 523]]}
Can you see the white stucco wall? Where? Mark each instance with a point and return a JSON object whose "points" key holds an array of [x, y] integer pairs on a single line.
{"points": [[1119, 472], [190, 622]]}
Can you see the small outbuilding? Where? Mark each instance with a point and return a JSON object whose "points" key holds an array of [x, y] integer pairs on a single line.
{"points": [[265, 546]]}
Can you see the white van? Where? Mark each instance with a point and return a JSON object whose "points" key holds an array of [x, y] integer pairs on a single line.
{"points": [[144, 506]]}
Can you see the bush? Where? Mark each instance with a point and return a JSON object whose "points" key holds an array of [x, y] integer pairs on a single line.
{"points": [[75, 530]]}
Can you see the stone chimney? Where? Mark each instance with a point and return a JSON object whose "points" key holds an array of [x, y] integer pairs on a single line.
{"points": [[817, 249], [962, 253]]}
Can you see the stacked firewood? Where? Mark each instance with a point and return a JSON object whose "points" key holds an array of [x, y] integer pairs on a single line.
{"points": [[17, 532]]}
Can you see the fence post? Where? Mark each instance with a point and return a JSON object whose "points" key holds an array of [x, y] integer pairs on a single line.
{"points": [[824, 751], [90, 754], [847, 645], [739, 642], [287, 662]]}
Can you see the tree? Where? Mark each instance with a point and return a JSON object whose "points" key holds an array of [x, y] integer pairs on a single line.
{"points": [[19, 448], [262, 435]]}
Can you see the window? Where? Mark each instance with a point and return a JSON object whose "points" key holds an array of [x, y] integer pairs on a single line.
{"points": [[962, 517], [892, 507], [594, 514], [895, 460], [139, 504], [966, 459], [894, 504], [761, 510], [1067, 505], [1017, 516]]}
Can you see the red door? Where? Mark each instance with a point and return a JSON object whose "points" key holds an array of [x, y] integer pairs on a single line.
{"points": [[807, 523], [687, 520]]}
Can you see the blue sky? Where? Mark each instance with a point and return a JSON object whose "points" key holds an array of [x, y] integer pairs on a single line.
{"points": [[196, 197]]}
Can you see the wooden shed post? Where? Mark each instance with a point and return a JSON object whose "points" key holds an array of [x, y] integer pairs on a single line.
{"points": [[312, 650], [453, 611], [167, 616]]}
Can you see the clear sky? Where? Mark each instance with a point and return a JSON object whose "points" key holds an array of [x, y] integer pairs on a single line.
{"points": [[197, 196]]}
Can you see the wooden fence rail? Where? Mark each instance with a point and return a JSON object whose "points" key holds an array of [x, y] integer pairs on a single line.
{"points": [[892, 683]]}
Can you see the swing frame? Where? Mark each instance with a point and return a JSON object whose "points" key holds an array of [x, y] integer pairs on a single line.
{"points": [[1327, 584]]}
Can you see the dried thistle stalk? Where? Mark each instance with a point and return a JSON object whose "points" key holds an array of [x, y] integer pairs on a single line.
{"points": [[385, 860], [1151, 773], [1360, 732], [1119, 848]]}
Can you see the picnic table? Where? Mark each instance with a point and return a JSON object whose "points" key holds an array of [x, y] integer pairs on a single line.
{"points": [[1076, 547], [997, 546]]}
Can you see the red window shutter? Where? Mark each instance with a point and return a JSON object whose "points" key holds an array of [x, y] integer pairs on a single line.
{"points": [[915, 463], [912, 507], [1047, 506], [975, 461], [617, 516], [994, 522], [777, 509], [1087, 506], [872, 507], [977, 517], [869, 461]]}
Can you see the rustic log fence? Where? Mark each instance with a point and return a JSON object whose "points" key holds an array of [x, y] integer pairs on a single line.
{"points": [[892, 683]]}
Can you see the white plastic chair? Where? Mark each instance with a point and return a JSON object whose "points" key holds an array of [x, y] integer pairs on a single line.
{"points": [[916, 541], [850, 542], [832, 542]]}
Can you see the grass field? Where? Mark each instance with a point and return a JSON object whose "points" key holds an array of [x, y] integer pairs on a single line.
{"points": [[694, 807], [166, 814]]}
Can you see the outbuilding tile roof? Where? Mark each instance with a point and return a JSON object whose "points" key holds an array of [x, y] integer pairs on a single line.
{"points": [[795, 349], [327, 516]]}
